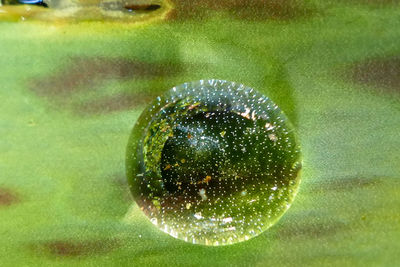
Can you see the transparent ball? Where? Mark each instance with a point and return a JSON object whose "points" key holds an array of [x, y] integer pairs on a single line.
{"points": [[213, 162]]}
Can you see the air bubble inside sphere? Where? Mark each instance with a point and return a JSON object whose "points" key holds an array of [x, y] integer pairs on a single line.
{"points": [[213, 162]]}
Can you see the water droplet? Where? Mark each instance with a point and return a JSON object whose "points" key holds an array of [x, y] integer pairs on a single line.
{"points": [[213, 162]]}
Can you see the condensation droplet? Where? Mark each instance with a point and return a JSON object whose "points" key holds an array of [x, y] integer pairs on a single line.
{"points": [[213, 162]]}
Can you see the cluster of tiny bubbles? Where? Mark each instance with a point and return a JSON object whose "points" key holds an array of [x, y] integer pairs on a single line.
{"points": [[213, 162]]}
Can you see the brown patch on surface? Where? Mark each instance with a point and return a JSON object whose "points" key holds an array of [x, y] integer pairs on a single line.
{"points": [[115, 103], [65, 88], [8, 197], [85, 73], [379, 73], [244, 9], [144, 7], [79, 248]]}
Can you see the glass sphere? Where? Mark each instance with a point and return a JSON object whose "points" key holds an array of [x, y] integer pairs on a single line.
{"points": [[213, 162]]}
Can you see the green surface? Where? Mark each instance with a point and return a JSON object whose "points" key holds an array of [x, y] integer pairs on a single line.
{"points": [[71, 93]]}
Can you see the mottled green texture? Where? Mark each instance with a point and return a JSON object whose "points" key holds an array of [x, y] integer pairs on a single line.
{"points": [[63, 168]]}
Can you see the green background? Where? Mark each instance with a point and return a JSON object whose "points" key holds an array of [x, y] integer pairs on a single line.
{"points": [[70, 94]]}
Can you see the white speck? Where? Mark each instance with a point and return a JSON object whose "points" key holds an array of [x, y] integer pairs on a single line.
{"points": [[272, 137], [269, 126], [253, 115], [153, 221], [274, 188], [246, 114], [227, 220], [198, 216], [202, 193]]}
